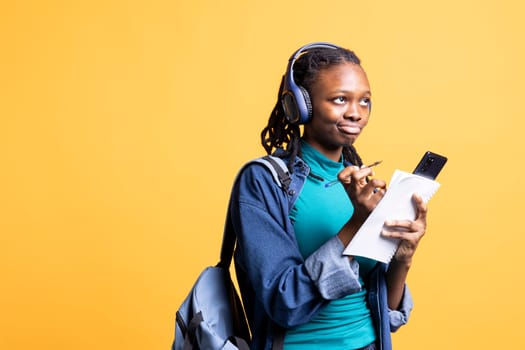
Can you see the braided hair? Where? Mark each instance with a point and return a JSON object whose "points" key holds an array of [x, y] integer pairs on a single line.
{"points": [[279, 133]]}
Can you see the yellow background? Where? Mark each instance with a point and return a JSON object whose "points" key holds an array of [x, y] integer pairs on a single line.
{"points": [[123, 124]]}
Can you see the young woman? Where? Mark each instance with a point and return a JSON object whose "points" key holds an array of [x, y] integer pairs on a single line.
{"points": [[299, 291]]}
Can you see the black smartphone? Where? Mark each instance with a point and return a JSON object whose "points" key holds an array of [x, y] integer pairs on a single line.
{"points": [[430, 165]]}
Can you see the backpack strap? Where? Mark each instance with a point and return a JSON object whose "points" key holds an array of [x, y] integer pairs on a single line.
{"points": [[282, 177], [278, 169]]}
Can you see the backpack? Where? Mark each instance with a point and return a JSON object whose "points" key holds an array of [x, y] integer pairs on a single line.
{"points": [[212, 317]]}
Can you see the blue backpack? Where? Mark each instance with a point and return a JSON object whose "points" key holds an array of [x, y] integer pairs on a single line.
{"points": [[212, 317]]}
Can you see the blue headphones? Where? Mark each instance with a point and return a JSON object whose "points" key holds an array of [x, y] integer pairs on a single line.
{"points": [[294, 98]]}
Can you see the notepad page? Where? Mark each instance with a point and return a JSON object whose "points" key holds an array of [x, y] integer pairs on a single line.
{"points": [[397, 204]]}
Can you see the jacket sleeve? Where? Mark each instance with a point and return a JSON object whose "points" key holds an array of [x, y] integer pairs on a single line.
{"points": [[400, 316], [290, 288]]}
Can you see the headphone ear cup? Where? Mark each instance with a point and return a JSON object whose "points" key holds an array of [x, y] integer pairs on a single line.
{"points": [[306, 117], [295, 100]]}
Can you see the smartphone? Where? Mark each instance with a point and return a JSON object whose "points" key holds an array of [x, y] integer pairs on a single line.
{"points": [[430, 165]]}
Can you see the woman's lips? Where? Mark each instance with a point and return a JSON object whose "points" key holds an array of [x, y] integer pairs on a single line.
{"points": [[350, 129]]}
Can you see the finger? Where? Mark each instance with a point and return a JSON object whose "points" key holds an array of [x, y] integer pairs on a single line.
{"points": [[361, 175], [401, 233], [405, 230], [403, 224], [354, 174], [375, 187], [363, 172], [345, 175], [421, 207], [406, 235]]}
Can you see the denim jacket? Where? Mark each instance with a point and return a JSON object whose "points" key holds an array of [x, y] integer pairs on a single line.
{"points": [[281, 289]]}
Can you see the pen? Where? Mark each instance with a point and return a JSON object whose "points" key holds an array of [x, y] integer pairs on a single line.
{"points": [[331, 183]]}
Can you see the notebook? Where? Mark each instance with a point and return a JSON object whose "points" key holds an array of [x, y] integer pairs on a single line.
{"points": [[396, 204]]}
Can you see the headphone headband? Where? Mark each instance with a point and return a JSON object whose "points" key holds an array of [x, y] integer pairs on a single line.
{"points": [[315, 45], [294, 98]]}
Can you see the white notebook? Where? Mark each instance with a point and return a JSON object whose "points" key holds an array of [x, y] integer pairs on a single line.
{"points": [[396, 204]]}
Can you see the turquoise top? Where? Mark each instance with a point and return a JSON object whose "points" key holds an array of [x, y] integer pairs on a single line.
{"points": [[319, 214]]}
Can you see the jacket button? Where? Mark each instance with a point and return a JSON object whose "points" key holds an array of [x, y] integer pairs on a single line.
{"points": [[291, 192]]}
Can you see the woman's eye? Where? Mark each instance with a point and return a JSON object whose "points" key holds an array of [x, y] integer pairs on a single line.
{"points": [[340, 100], [365, 102]]}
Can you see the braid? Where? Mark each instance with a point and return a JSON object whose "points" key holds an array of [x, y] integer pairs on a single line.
{"points": [[350, 154], [279, 133]]}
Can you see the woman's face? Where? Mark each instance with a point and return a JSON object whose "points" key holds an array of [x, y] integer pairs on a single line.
{"points": [[340, 101]]}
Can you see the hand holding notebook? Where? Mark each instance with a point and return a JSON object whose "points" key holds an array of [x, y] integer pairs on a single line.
{"points": [[396, 204]]}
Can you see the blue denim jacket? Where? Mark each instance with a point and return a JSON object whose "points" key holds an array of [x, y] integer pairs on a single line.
{"points": [[281, 289]]}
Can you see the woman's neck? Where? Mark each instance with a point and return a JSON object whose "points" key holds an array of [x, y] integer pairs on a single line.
{"points": [[333, 154]]}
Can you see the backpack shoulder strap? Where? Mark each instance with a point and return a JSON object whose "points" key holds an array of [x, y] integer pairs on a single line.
{"points": [[278, 169], [282, 177]]}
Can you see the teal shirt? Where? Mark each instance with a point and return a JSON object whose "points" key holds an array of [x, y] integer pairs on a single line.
{"points": [[319, 214]]}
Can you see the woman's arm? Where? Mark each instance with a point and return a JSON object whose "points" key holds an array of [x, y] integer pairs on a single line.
{"points": [[410, 233], [291, 288], [365, 194]]}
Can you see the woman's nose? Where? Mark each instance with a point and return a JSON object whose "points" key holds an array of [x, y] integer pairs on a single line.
{"points": [[353, 112]]}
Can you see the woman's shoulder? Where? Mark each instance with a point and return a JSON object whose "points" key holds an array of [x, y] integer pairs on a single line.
{"points": [[266, 167]]}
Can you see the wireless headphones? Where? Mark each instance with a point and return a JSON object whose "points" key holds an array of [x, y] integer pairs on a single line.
{"points": [[294, 98]]}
